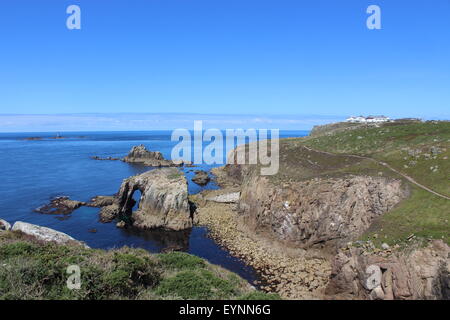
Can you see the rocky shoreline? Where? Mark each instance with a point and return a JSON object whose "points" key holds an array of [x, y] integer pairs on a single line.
{"points": [[293, 273]]}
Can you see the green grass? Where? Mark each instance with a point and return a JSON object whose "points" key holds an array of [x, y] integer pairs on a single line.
{"points": [[424, 215], [30, 269], [414, 149]]}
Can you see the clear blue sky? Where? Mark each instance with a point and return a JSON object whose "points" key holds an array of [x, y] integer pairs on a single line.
{"points": [[226, 57]]}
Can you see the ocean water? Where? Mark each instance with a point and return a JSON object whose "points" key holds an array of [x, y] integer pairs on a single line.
{"points": [[34, 172]]}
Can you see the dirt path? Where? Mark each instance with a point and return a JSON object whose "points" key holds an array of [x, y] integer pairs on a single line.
{"points": [[384, 164]]}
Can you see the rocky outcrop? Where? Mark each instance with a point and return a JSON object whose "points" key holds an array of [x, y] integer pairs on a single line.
{"points": [[104, 159], [420, 273], [101, 201], [44, 234], [60, 205], [317, 211], [201, 178], [4, 225], [163, 202], [139, 154]]}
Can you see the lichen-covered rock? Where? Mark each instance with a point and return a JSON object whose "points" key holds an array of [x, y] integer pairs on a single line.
{"points": [[318, 211], [4, 225], [43, 233], [101, 201], [420, 273], [163, 202]]}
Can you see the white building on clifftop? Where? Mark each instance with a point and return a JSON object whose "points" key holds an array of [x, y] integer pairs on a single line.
{"points": [[369, 119]]}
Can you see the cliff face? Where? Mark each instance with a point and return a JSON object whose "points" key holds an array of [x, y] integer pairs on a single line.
{"points": [[317, 211], [421, 273]]}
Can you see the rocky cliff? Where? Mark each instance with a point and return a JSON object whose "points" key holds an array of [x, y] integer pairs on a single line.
{"points": [[416, 273]]}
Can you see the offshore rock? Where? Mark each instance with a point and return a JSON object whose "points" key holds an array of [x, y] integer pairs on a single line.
{"points": [[139, 154]]}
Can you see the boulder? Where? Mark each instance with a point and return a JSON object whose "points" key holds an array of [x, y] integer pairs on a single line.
{"points": [[43, 233], [4, 225], [232, 197], [416, 273], [163, 202], [201, 178]]}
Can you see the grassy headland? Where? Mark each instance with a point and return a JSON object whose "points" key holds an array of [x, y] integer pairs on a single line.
{"points": [[31, 269], [419, 150]]}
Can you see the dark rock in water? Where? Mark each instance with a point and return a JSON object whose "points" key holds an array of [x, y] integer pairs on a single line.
{"points": [[201, 178], [139, 154], [101, 201], [107, 158], [60, 205], [92, 230], [4, 225], [32, 139], [45, 234], [163, 203]]}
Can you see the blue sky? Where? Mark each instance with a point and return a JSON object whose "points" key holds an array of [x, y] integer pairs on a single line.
{"points": [[235, 57]]}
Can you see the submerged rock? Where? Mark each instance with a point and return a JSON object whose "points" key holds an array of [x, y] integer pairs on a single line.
{"points": [[43, 233], [232, 197], [4, 225], [201, 178], [60, 205]]}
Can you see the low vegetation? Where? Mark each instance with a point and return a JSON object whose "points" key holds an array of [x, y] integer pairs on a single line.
{"points": [[30, 269]]}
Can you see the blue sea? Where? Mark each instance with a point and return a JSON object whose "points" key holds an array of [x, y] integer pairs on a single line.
{"points": [[34, 172]]}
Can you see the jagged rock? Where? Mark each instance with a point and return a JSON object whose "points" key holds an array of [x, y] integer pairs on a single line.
{"points": [[140, 154], [163, 203], [104, 159], [201, 178], [318, 211], [120, 224], [60, 205], [109, 213], [43, 233], [419, 273], [4, 225]]}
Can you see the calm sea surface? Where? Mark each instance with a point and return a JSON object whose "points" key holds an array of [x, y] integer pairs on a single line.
{"points": [[34, 172]]}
